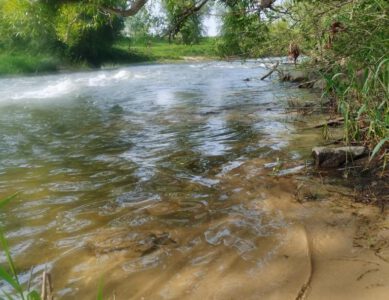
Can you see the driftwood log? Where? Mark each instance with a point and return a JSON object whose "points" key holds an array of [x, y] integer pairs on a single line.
{"points": [[270, 72], [334, 157], [333, 122]]}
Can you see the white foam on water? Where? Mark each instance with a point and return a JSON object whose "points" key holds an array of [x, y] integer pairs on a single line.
{"points": [[139, 76], [101, 83], [37, 88], [108, 78], [123, 74], [99, 80], [53, 90]]}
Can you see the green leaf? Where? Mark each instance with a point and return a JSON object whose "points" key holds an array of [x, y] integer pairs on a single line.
{"points": [[11, 265], [379, 67], [33, 296], [361, 110], [100, 291], [4, 275], [6, 200], [378, 148], [5, 247]]}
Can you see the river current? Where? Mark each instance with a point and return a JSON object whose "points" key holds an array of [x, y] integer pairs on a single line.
{"points": [[159, 179]]}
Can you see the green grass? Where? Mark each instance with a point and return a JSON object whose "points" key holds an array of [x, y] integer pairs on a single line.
{"points": [[363, 100], [161, 50], [123, 51], [22, 63]]}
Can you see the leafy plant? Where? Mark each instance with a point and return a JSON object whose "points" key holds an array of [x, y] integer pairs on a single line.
{"points": [[100, 290], [354, 60]]}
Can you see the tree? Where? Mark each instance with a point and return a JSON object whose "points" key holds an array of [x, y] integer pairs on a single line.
{"points": [[189, 27], [25, 24], [81, 31], [242, 31], [138, 27], [182, 10], [85, 32]]}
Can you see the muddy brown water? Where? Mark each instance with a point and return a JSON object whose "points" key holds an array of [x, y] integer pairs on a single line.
{"points": [[176, 181]]}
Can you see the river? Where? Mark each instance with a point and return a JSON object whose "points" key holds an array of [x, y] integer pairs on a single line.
{"points": [[163, 180]]}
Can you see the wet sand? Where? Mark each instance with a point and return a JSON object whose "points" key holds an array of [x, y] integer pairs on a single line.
{"points": [[327, 248]]}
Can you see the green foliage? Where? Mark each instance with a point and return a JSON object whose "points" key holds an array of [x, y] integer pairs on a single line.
{"points": [[100, 295], [191, 31], [242, 32], [6, 200], [378, 147], [156, 49], [77, 29], [24, 24], [139, 27], [348, 43], [355, 62], [278, 39], [18, 62], [85, 32]]}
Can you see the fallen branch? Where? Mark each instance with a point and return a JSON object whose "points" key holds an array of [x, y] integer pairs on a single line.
{"points": [[337, 141], [47, 287], [271, 71], [307, 84], [333, 122]]}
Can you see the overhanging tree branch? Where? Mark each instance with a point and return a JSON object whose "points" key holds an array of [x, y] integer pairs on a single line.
{"points": [[135, 6], [180, 20], [266, 4]]}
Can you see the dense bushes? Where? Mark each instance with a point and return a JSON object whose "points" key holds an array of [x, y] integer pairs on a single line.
{"points": [[348, 46], [352, 54], [75, 30], [242, 33]]}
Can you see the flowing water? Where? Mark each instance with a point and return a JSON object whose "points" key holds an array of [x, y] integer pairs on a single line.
{"points": [[156, 178]]}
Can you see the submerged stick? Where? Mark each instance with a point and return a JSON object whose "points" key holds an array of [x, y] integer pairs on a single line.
{"points": [[43, 293], [271, 71], [47, 287], [333, 122]]}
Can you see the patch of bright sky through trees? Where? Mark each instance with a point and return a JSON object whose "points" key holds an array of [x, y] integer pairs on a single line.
{"points": [[212, 19]]}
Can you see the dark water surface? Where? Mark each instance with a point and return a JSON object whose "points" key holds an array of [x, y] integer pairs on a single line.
{"points": [[154, 177]]}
